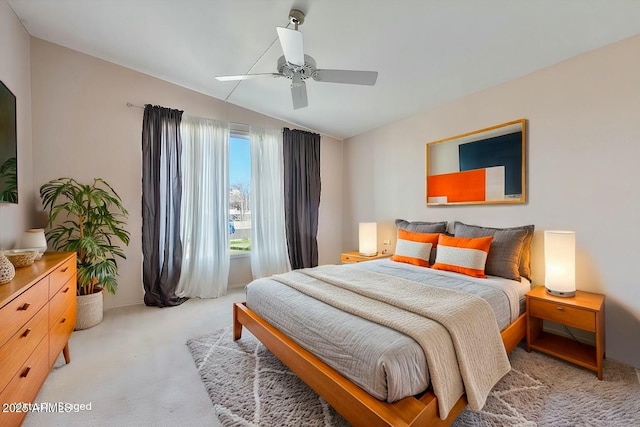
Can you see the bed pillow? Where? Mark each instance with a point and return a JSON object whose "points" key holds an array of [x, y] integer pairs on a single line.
{"points": [[415, 248], [463, 255], [510, 255], [422, 227]]}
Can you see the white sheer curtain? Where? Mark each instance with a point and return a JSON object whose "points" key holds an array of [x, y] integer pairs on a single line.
{"points": [[268, 236], [204, 220]]}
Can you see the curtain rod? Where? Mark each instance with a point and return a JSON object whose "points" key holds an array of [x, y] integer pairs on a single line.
{"points": [[130, 105]]}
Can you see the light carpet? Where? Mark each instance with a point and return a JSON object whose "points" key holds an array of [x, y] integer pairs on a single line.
{"points": [[249, 386]]}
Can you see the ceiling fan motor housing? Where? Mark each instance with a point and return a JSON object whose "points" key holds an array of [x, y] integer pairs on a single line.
{"points": [[296, 17], [288, 70]]}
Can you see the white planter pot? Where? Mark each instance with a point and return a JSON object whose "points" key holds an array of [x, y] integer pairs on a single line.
{"points": [[89, 311]]}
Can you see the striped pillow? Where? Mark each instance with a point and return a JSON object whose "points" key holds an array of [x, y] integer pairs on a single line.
{"points": [[414, 248], [463, 255]]}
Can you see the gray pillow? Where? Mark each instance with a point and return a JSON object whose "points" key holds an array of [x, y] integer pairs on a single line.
{"points": [[424, 227], [510, 252], [525, 259]]}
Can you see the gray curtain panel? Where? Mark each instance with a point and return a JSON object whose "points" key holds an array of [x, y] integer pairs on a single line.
{"points": [[161, 196], [301, 196]]}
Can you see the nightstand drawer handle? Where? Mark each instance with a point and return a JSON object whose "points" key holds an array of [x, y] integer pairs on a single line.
{"points": [[25, 372], [560, 308], [24, 306]]}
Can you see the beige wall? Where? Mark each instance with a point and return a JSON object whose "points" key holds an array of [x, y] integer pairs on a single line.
{"points": [[583, 159], [83, 128], [14, 73]]}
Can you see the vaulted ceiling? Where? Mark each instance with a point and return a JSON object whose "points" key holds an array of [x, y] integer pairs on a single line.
{"points": [[427, 52]]}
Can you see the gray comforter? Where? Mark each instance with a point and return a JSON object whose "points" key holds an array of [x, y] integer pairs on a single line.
{"points": [[387, 364]]}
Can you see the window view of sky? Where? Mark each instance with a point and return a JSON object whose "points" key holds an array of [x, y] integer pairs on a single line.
{"points": [[239, 162]]}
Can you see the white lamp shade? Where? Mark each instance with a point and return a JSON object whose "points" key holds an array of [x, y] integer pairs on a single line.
{"points": [[560, 262], [368, 237], [34, 239]]}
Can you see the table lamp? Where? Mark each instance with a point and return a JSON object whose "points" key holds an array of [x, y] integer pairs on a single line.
{"points": [[368, 237], [560, 262]]}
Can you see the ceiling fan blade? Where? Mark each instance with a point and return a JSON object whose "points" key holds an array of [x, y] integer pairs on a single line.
{"points": [[346, 76], [246, 76], [291, 42], [298, 92]]}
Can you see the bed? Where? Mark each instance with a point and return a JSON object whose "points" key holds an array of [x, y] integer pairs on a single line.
{"points": [[384, 379]]}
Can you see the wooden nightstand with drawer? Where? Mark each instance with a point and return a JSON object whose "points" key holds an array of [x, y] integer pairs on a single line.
{"points": [[584, 311], [354, 256]]}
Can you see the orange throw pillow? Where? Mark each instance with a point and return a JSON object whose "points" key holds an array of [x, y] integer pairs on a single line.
{"points": [[463, 255], [414, 248]]}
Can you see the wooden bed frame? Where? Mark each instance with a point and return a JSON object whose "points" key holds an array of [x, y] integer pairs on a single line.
{"points": [[353, 403]]}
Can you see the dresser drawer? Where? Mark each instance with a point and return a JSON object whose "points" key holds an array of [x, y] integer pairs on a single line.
{"points": [[564, 314], [21, 345], [61, 275], [61, 301], [61, 331], [25, 383], [18, 312]]}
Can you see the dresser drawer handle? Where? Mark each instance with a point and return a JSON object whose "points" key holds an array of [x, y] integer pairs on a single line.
{"points": [[64, 319], [25, 372], [560, 308], [64, 270], [26, 332], [65, 290], [24, 306]]}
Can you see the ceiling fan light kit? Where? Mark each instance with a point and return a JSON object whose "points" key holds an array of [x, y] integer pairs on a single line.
{"points": [[298, 67]]}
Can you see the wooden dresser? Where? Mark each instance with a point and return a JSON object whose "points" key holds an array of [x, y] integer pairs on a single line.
{"points": [[37, 316]]}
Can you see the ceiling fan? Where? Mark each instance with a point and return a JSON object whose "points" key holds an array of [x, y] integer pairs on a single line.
{"points": [[298, 67]]}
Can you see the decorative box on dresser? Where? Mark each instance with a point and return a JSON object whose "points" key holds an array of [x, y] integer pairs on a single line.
{"points": [[37, 317], [584, 311]]}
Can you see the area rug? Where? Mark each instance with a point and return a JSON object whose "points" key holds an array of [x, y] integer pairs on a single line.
{"points": [[249, 386]]}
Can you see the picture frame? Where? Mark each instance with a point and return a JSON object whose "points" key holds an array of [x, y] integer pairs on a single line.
{"points": [[486, 166]]}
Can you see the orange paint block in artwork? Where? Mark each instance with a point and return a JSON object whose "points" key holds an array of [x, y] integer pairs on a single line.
{"points": [[467, 186]]}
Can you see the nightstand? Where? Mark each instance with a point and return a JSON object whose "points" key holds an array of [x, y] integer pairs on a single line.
{"points": [[354, 256], [584, 311]]}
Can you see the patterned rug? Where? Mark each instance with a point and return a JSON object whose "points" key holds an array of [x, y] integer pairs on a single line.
{"points": [[249, 386]]}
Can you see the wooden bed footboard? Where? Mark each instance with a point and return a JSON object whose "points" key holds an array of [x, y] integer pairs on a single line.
{"points": [[353, 403]]}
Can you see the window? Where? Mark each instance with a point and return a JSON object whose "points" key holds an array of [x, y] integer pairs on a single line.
{"points": [[239, 192]]}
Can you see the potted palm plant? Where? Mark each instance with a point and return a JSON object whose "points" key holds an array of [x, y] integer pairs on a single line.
{"points": [[88, 219]]}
